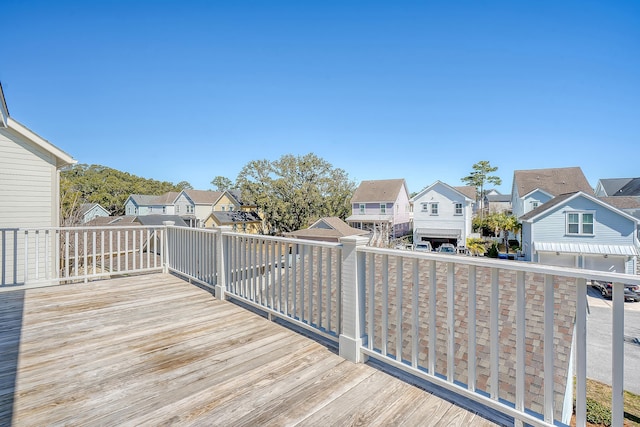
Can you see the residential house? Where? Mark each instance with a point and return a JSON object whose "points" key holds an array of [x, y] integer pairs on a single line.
{"points": [[144, 204], [443, 214], [328, 229], [29, 175], [532, 188], [579, 230], [495, 202], [89, 211], [239, 221], [381, 207], [618, 187]]}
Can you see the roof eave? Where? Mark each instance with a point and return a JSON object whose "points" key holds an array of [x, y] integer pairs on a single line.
{"points": [[62, 159]]}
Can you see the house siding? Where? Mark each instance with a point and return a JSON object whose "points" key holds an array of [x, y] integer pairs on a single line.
{"points": [[446, 217], [526, 203], [29, 184], [610, 228]]}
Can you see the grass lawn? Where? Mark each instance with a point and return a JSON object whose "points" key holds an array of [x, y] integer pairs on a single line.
{"points": [[601, 394]]}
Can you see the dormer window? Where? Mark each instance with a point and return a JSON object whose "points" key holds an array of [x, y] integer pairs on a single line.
{"points": [[383, 208], [362, 208]]}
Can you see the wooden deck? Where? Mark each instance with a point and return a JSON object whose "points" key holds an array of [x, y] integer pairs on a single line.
{"points": [[155, 350]]}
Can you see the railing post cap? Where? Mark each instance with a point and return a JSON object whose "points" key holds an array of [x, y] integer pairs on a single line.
{"points": [[224, 228], [354, 240]]}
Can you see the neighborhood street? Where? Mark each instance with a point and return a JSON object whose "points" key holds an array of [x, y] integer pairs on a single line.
{"points": [[599, 341]]}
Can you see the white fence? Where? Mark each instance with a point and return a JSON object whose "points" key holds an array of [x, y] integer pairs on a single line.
{"points": [[507, 334]]}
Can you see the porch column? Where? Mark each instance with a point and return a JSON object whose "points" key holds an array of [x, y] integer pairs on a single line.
{"points": [[221, 260], [353, 299]]}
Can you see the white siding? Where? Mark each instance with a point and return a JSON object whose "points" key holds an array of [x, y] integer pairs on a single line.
{"points": [[446, 218], [28, 184]]}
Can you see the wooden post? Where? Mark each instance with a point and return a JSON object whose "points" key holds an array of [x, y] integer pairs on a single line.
{"points": [[353, 299], [221, 261]]}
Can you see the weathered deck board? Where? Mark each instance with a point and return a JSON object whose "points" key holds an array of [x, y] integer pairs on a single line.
{"points": [[155, 350]]}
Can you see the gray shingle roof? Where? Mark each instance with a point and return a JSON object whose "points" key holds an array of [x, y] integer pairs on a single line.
{"points": [[383, 190], [203, 197], [612, 185], [554, 181]]}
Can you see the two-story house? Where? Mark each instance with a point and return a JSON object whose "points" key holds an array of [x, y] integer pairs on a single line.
{"points": [[443, 214], [496, 202], [534, 187], [143, 204], [580, 230], [381, 207]]}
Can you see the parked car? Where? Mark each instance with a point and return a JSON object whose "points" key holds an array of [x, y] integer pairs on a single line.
{"points": [[631, 292], [447, 248], [423, 247]]}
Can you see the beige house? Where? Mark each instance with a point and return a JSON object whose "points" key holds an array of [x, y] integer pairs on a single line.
{"points": [[29, 175]]}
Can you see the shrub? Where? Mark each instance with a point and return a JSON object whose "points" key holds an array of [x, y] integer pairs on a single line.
{"points": [[493, 251], [597, 413]]}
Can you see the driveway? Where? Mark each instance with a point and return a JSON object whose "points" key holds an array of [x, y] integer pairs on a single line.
{"points": [[599, 341]]}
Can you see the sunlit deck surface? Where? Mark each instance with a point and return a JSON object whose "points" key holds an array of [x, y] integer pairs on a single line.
{"points": [[156, 350]]}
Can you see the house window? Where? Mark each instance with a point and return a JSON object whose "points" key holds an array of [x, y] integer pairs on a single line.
{"points": [[189, 209], [579, 223], [434, 209], [534, 204], [383, 208], [222, 207], [458, 208], [425, 207], [136, 211], [177, 209], [362, 208], [164, 209]]}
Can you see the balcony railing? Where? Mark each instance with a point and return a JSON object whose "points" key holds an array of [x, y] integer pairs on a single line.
{"points": [[509, 335]]}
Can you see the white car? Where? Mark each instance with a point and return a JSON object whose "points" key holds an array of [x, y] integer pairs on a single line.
{"points": [[423, 247]]}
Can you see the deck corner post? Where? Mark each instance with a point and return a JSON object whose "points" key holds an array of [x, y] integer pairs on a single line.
{"points": [[353, 307], [221, 261], [165, 266]]}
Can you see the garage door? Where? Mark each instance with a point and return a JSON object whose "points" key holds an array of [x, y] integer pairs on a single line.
{"points": [[562, 260], [600, 263]]}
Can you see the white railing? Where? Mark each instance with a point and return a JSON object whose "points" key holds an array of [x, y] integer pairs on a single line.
{"points": [[296, 280], [31, 257], [510, 335]]}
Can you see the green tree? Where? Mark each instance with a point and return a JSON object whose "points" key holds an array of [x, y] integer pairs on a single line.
{"points": [[222, 183], [502, 223], [479, 178], [109, 187], [292, 192]]}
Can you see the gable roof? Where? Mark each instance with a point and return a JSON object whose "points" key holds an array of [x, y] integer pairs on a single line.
{"points": [[561, 199], [468, 191], [327, 229], [160, 219], [496, 198], [86, 207], [382, 190], [622, 202], [203, 197], [631, 188], [62, 159], [612, 185], [553, 181], [235, 217], [144, 199]]}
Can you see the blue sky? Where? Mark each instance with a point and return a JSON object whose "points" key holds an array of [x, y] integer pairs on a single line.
{"points": [[392, 89]]}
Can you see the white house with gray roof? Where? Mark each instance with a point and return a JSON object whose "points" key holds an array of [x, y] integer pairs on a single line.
{"points": [[443, 214]]}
